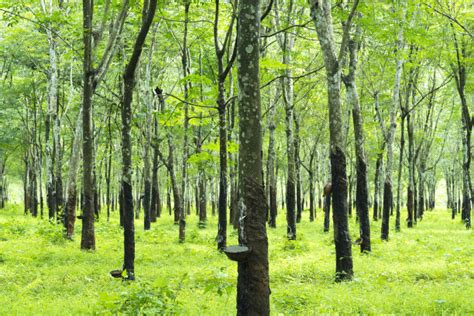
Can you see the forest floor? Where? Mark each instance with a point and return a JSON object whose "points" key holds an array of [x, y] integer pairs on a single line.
{"points": [[425, 270]]}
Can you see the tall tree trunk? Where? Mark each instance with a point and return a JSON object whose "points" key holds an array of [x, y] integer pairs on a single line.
{"points": [[88, 235], [362, 195], [421, 188], [299, 193], [287, 44], [58, 181], [234, 203], [201, 198], [26, 191], [129, 84], [223, 71], [49, 126], [467, 121], [108, 172], [272, 189], [148, 129], [400, 171], [156, 207], [222, 204], [184, 180], [411, 173], [169, 163], [70, 210], [322, 17], [253, 290], [388, 192], [377, 178]]}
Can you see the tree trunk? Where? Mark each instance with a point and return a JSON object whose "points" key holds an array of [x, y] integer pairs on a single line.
{"points": [[51, 115], [58, 181], [147, 199], [177, 197], [156, 207], [400, 171], [253, 290], [88, 235], [388, 193], [290, 149], [108, 171], [299, 193], [223, 133], [321, 15], [70, 211], [467, 122], [184, 180], [129, 84], [362, 195], [421, 189], [272, 196], [327, 210]]}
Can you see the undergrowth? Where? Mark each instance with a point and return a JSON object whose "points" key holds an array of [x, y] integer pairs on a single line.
{"points": [[425, 270]]}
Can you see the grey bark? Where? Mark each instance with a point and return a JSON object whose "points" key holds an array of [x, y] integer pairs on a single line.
{"points": [[253, 290]]}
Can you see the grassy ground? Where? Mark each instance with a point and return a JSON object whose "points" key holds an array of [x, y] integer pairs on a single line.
{"points": [[425, 270]]}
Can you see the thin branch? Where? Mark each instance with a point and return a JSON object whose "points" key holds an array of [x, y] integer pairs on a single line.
{"points": [[267, 11], [292, 77], [191, 103], [285, 29], [453, 19], [347, 28]]}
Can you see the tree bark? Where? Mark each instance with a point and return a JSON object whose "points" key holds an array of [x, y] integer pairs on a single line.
{"points": [[184, 179], [287, 44], [460, 75], [272, 190], [388, 192], [362, 195], [70, 211], [253, 290], [88, 235], [129, 84], [327, 210], [322, 17], [147, 199], [299, 193], [223, 71]]}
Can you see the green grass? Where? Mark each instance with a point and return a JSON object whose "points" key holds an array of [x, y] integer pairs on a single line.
{"points": [[425, 270]]}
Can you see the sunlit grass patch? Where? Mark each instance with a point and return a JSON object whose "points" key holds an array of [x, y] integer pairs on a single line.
{"points": [[425, 270]]}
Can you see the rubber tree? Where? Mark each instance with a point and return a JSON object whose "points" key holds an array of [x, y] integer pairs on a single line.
{"points": [[51, 113], [74, 161], [92, 78], [322, 17], [147, 172], [388, 186], [126, 183], [253, 290], [223, 71], [184, 166], [271, 162], [459, 69], [287, 42], [362, 194]]}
